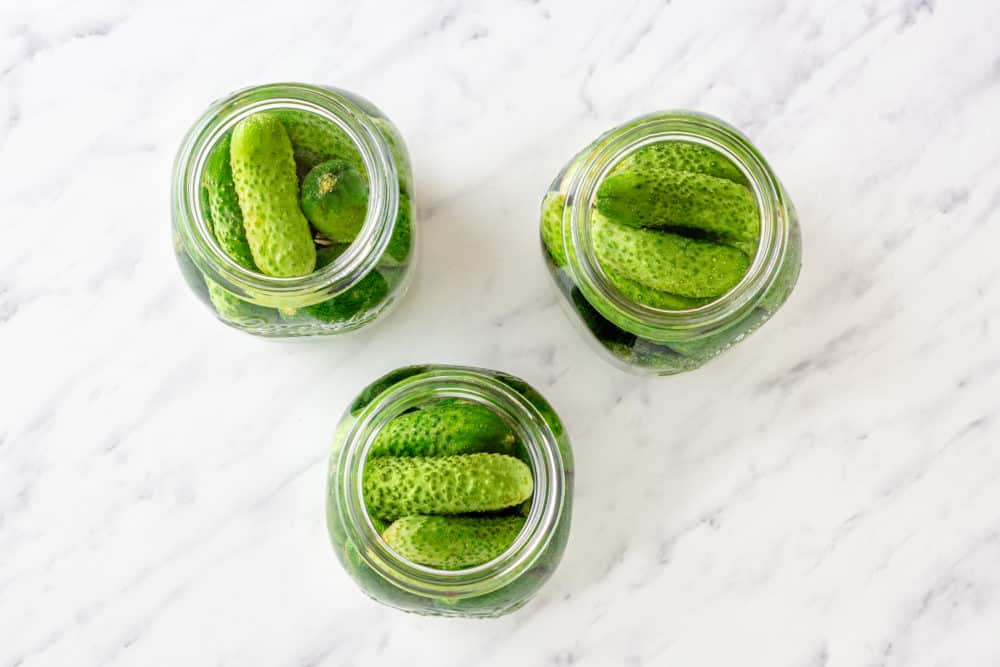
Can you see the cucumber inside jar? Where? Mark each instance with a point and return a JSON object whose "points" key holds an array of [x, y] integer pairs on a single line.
{"points": [[447, 485], [285, 193]]}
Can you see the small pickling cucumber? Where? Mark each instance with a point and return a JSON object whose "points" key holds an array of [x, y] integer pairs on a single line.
{"points": [[552, 236], [399, 155], [224, 206], [367, 294], [654, 298], [401, 241], [682, 156], [315, 139], [670, 199], [335, 199], [268, 190], [397, 486], [666, 261], [445, 429], [233, 309], [452, 542]]}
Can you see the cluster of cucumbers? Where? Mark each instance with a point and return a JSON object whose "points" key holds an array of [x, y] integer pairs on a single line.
{"points": [[448, 485], [674, 226], [285, 193]]}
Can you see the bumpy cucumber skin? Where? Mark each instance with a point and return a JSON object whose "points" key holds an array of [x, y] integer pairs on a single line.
{"points": [[315, 140], [444, 430], [268, 190], [667, 262], [401, 486], [667, 198], [654, 298], [224, 206], [452, 542], [552, 237], [335, 199], [682, 156]]}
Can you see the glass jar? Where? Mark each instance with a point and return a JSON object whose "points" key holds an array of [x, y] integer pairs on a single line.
{"points": [[636, 336], [362, 279], [491, 589]]}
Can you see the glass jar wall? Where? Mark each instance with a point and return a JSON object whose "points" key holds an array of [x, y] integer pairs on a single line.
{"points": [[292, 211], [491, 427], [670, 239]]}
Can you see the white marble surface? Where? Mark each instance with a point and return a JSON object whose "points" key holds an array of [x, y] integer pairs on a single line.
{"points": [[826, 494]]}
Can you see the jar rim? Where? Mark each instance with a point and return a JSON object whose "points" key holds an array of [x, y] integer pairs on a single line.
{"points": [[534, 433], [361, 255], [603, 155]]}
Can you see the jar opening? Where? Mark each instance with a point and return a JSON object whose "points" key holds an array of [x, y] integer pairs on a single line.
{"points": [[359, 257], [601, 159], [537, 441]]}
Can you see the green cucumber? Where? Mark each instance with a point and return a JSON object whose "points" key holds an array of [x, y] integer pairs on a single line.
{"points": [[335, 199], [682, 156], [316, 139], [552, 236], [366, 294], [648, 296], [445, 429], [400, 243], [235, 310], [268, 190], [667, 262], [224, 205], [452, 542], [670, 199], [400, 486], [399, 155]]}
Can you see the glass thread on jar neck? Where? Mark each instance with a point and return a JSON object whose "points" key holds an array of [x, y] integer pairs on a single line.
{"points": [[547, 471], [603, 155], [361, 255]]}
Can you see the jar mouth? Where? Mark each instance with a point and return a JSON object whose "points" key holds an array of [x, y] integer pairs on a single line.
{"points": [[545, 461], [361, 255], [604, 155]]}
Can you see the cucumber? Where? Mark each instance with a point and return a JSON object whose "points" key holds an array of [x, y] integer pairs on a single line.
{"points": [[682, 156], [385, 383], [268, 188], [367, 294], [399, 154], [400, 486], [315, 139], [654, 298], [224, 206], [670, 199], [552, 236], [400, 243], [335, 199], [445, 429], [451, 542], [666, 261], [235, 310]]}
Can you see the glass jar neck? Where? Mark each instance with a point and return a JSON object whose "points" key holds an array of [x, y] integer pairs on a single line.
{"points": [[597, 161], [545, 461], [362, 254]]}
